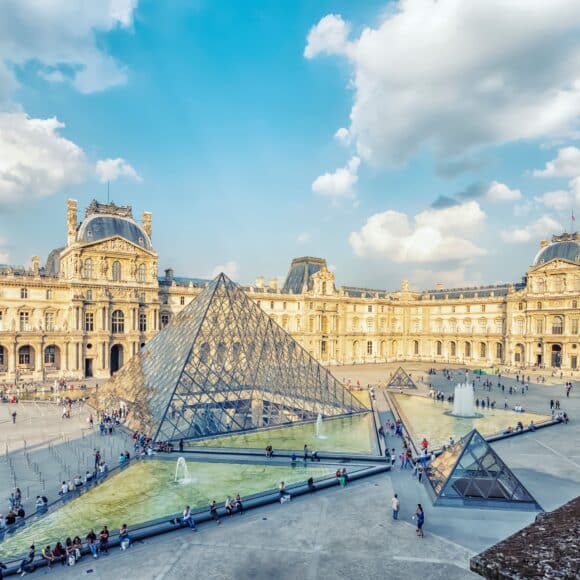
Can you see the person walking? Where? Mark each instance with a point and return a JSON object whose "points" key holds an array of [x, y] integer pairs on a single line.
{"points": [[395, 505], [420, 517], [14, 416]]}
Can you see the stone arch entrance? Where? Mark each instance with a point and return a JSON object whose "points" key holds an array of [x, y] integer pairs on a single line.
{"points": [[556, 359], [116, 357]]}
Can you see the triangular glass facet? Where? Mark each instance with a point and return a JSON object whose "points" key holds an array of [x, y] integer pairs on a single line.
{"points": [[401, 380], [223, 366]]}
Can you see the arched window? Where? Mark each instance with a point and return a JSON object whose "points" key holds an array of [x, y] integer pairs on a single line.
{"points": [[116, 271], [88, 268], [453, 348], [439, 348], [51, 355], [26, 356], [416, 346], [118, 322], [482, 350], [141, 273], [467, 350], [557, 325]]}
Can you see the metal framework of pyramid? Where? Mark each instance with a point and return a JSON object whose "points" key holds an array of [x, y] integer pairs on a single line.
{"points": [[471, 473], [401, 380], [223, 366]]}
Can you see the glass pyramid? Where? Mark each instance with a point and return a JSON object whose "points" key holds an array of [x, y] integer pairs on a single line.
{"points": [[472, 473], [223, 366], [401, 380]]}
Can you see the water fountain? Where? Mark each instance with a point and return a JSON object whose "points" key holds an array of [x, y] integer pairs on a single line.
{"points": [[182, 475], [464, 401], [319, 434]]}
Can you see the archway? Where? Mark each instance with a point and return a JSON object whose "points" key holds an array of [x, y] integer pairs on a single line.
{"points": [[116, 357], [52, 357], [26, 357], [556, 355]]}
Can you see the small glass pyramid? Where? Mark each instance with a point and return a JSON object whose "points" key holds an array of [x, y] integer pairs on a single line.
{"points": [[223, 366], [472, 473], [401, 380]]}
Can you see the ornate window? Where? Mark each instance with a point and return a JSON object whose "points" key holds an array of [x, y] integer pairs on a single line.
{"points": [[25, 356], [499, 350], [50, 355], [88, 269], [439, 348], [118, 322], [2, 356], [141, 274], [416, 346], [453, 348], [539, 306], [182, 300], [142, 322], [89, 322], [520, 305], [482, 350], [89, 294], [23, 293], [49, 321], [467, 350], [575, 304], [24, 320], [557, 325], [164, 320], [369, 347], [116, 271]]}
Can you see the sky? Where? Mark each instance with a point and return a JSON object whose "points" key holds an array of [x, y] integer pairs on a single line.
{"points": [[434, 141]]}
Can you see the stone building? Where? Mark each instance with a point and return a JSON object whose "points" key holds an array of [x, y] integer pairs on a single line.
{"points": [[98, 300]]}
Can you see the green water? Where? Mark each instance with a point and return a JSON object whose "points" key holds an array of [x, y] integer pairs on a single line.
{"points": [[146, 491], [425, 417], [349, 434]]}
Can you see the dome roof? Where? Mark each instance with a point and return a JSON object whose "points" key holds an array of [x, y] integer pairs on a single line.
{"points": [[99, 226], [561, 248]]}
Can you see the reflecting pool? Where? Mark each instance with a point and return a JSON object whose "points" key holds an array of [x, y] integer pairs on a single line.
{"points": [[355, 434], [425, 417], [146, 491]]}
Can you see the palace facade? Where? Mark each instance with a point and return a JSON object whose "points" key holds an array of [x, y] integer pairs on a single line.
{"points": [[99, 299]]}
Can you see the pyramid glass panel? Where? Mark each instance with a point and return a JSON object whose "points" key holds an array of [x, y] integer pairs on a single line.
{"points": [[224, 366], [472, 473], [401, 380]]}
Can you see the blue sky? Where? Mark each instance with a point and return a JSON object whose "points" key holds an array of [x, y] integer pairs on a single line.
{"points": [[219, 117]]}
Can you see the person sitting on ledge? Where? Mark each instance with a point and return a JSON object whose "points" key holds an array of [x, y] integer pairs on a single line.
{"points": [[310, 482], [269, 451], [239, 504], [520, 426], [314, 456], [509, 430], [230, 506], [531, 426]]}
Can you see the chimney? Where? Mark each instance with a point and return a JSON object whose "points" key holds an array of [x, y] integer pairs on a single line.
{"points": [[71, 222], [439, 286], [35, 265], [169, 274], [543, 243], [274, 284], [260, 282], [147, 218]]}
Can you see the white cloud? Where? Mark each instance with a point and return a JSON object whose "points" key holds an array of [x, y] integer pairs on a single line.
{"points": [[541, 228], [342, 135], [561, 200], [35, 160], [523, 209], [501, 192], [428, 75], [566, 164], [303, 238], [329, 36], [340, 184], [61, 35], [230, 269], [436, 235], [112, 169]]}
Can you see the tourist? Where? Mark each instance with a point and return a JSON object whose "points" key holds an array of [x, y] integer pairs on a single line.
{"points": [[92, 543], [420, 517], [213, 510], [282, 488], [393, 457], [47, 556], [78, 546], [305, 452], [344, 477], [124, 539], [63, 489], [239, 504], [13, 416], [88, 476], [104, 540], [420, 474], [181, 446], [70, 552], [59, 553], [27, 565], [229, 506], [187, 518], [310, 483], [395, 505], [78, 481]]}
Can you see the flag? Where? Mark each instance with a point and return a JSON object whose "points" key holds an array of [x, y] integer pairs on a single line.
{"points": [[573, 217]]}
